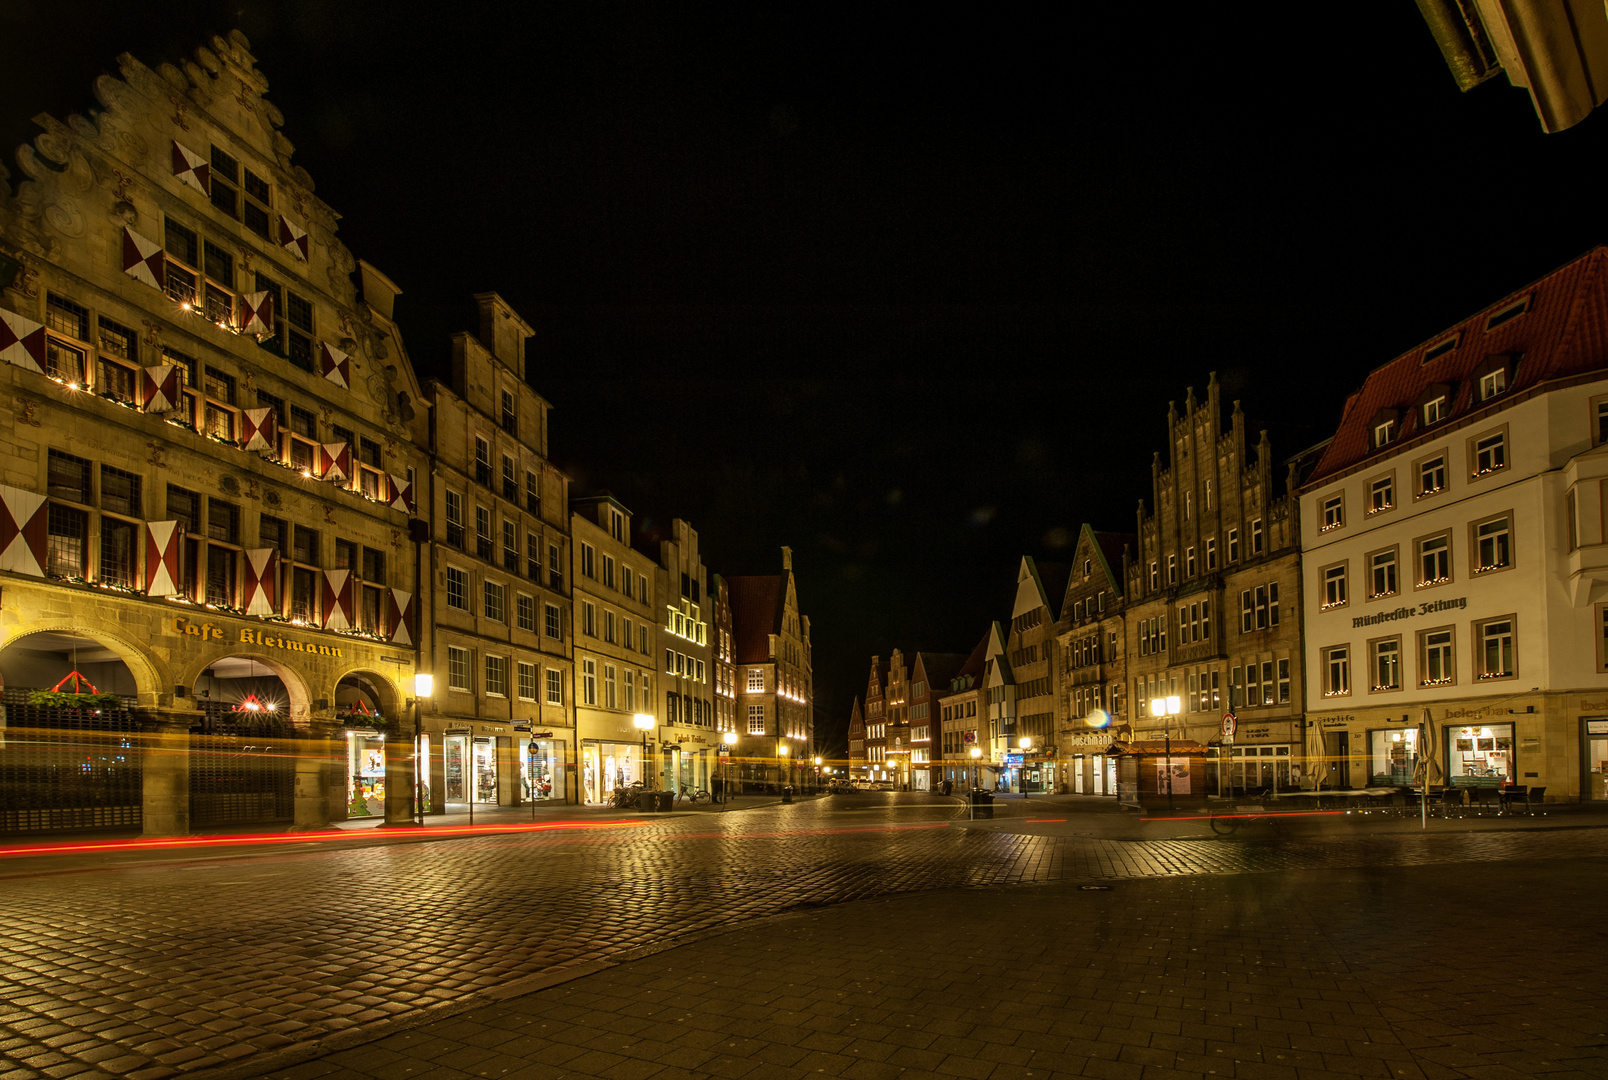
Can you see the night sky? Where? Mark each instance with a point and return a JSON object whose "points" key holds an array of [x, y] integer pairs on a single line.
{"points": [[906, 290]]}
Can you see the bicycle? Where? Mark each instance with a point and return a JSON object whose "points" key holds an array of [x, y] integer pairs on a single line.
{"points": [[623, 798], [699, 796], [1230, 822]]}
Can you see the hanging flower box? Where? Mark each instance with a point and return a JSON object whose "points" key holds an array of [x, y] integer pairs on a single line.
{"points": [[58, 699]]}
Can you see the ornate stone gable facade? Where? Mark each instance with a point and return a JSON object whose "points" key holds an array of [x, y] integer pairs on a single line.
{"points": [[1091, 642]]}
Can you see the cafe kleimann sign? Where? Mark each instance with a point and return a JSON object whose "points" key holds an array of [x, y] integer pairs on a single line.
{"points": [[248, 636]]}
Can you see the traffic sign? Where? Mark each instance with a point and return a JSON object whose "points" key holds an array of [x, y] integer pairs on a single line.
{"points": [[1230, 725]]}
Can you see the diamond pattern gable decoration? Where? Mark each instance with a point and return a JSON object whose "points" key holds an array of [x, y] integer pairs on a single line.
{"points": [[23, 519], [337, 599], [262, 572], [334, 366], [191, 169], [142, 259], [399, 616], [257, 313], [335, 461], [22, 342], [162, 558], [159, 387], [259, 429], [401, 493], [293, 238]]}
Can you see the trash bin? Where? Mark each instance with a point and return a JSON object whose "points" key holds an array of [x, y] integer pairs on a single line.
{"points": [[656, 802], [982, 804], [787, 793]]}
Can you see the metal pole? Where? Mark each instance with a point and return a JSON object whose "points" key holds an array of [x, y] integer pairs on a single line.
{"points": [[1167, 736]]}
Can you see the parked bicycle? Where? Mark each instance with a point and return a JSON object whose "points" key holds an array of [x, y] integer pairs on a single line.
{"points": [[627, 796], [1229, 820], [699, 796]]}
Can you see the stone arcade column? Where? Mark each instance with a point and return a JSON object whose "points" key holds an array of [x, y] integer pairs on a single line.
{"points": [[165, 772], [314, 757]]}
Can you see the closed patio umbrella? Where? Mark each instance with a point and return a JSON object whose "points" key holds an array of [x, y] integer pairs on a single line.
{"points": [[1316, 755], [1427, 769]]}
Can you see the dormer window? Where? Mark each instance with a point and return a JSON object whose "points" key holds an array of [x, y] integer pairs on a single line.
{"points": [[1434, 410], [1507, 314], [1434, 404], [1384, 428], [1384, 432], [1493, 375], [1440, 348]]}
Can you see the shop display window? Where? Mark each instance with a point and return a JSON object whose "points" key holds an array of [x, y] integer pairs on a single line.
{"points": [[1393, 756], [539, 769], [365, 789], [1485, 751]]}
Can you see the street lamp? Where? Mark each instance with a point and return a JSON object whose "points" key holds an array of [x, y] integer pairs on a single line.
{"points": [[1167, 708], [1024, 744], [643, 722], [782, 762], [423, 687], [730, 739], [976, 755]]}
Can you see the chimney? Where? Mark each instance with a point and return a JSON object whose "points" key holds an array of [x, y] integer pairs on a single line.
{"points": [[787, 557]]}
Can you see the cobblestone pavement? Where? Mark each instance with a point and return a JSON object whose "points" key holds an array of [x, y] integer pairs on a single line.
{"points": [[171, 965]]}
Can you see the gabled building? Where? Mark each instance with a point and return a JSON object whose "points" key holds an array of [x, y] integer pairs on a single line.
{"points": [[775, 676], [930, 676], [212, 439], [724, 660], [876, 722], [687, 724], [616, 654], [500, 728], [999, 698], [857, 757], [1455, 560], [962, 712], [1030, 648], [1091, 642], [1213, 592]]}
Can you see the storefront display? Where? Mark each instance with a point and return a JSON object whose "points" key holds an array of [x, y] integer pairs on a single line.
{"points": [[606, 766], [1484, 751], [485, 770], [455, 753], [1594, 757], [365, 771], [1393, 756], [471, 760], [539, 769]]}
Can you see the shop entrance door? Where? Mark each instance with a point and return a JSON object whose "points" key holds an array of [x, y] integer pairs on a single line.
{"points": [[1342, 764], [1594, 759], [456, 752], [1111, 776], [1099, 774], [1077, 774], [687, 783], [485, 771]]}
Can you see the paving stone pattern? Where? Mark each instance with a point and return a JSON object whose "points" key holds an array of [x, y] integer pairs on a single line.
{"points": [[151, 970], [1311, 975]]}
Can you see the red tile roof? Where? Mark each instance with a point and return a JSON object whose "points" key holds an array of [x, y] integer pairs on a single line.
{"points": [[756, 613], [1563, 332]]}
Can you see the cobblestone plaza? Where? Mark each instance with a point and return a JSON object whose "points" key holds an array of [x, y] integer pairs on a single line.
{"points": [[696, 945]]}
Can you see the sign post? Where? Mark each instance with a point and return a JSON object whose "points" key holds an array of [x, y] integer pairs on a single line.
{"points": [[1230, 726]]}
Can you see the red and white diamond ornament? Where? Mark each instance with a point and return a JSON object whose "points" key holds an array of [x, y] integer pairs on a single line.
{"points": [[337, 599], [399, 617], [293, 238], [22, 342], [159, 388], [162, 558], [401, 493], [259, 429], [257, 313], [143, 259], [24, 517], [262, 573], [335, 461], [334, 365], [191, 169]]}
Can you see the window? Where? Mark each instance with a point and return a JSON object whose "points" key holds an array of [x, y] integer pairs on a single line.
{"points": [[1259, 607], [1507, 314], [298, 331], [1435, 560], [1441, 348], [527, 681], [1337, 671], [494, 594], [610, 689], [1256, 537], [1189, 561], [1435, 657], [1432, 475], [756, 680], [588, 561], [525, 612], [1334, 586], [179, 281], [1382, 573], [555, 687], [118, 556], [272, 532], [628, 581], [1284, 681], [1155, 576], [1383, 432], [588, 682], [533, 556], [1386, 664], [1334, 513], [1490, 453], [1211, 563], [756, 719], [588, 619], [1382, 494], [496, 676], [553, 628], [630, 690], [510, 419], [483, 532], [66, 317], [608, 626], [482, 462], [510, 486], [457, 668], [457, 588], [1492, 383], [68, 477], [510, 539], [223, 521], [219, 270], [1435, 410], [1172, 569], [1233, 545], [533, 493], [1493, 545], [555, 567], [608, 571], [1494, 653]]}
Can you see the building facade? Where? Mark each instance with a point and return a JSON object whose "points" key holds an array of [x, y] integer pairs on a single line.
{"points": [[1213, 595], [1030, 648], [930, 676], [961, 709], [500, 729], [209, 475], [687, 728], [1092, 648], [877, 766], [616, 650], [856, 760], [1456, 573], [775, 680]]}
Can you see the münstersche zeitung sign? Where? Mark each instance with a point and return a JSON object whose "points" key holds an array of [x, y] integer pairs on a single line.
{"points": [[1429, 608]]}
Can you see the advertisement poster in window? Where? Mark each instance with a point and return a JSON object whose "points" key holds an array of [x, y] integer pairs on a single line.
{"points": [[1179, 768]]}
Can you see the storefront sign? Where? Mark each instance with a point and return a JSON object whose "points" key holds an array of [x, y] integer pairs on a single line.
{"points": [[1594, 706], [1337, 721], [1597, 727], [1455, 603], [248, 636]]}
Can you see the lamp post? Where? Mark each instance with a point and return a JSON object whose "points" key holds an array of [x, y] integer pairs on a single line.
{"points": [[423, 687], [783, 765], [817, 760], [1024, 744], [1168, 708], [643, 722], [730, 739], [976, 756]]}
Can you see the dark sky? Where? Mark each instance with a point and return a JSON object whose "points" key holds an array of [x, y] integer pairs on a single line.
{"points": [[907, 290]]}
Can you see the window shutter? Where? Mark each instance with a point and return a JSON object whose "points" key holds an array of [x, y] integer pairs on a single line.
{"points": [[262, 576], [259, 429], [293, 238], [334, 366], [337, 599], [22, 342], [399, 616], [257, 313], [335, 461], [24, 517], [191, 169], [159, 387], [143, 259]]}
